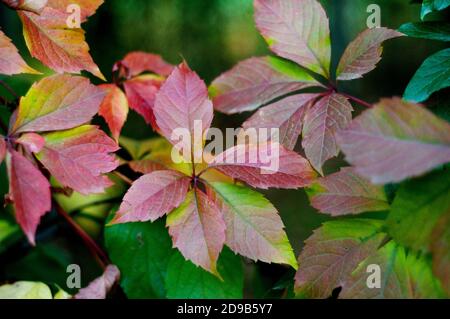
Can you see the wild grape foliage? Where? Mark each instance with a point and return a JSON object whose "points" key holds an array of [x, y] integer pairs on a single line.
{"points": [[180, 228]]}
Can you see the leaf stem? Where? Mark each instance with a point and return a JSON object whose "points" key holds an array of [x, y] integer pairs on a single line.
{"points": [[123, 177], [9, 89], [98, 253], [356, 100]]}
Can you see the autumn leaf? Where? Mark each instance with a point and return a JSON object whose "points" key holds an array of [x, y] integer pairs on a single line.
{"points": [[138, 62], [152, 196], [286, 26], [77, 158], [395, 140], [181, 102], [32, 142], [332, 253], [141, 93], [257, 81], [198, 230], [265, 166], [254, 228], [2, 148], [87, 7], [363, 54], [346, 193], [30, 192], [35, 6], [57, 102], [59, 47], [99, 288], [322, 121], [287, 115], [114, 109], [10, 60]]}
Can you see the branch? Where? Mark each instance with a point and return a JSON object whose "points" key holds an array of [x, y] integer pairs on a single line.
{"points": [[98, 253]]}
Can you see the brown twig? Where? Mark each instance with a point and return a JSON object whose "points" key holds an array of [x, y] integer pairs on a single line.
{"points": [[123, 177], [98, 253]]}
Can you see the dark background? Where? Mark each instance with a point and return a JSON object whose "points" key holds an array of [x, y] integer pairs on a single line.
{"points": [[213, 35]]}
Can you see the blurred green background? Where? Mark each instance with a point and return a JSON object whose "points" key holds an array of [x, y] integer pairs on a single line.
{"points": [[213, 35]]}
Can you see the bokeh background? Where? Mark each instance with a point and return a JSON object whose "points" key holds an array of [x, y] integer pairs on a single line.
{"points": [[212, 35]]}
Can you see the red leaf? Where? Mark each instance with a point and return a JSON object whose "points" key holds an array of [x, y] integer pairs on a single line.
{"points": [[296, 30], [35, 6], [259, 166], [99, 288], [60, 48], [152, 196], [77, 158], [30, 192], [257, 81], [32, 142], [114, 109], [139, 62], [182, 100], [2, 148], [345, 193], [331, 114], [198, 230], [395, 140], [286, 114], [88, 7], [58, 102], [10, 60], [141, 93]]}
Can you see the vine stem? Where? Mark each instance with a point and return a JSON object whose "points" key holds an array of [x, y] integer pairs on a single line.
{"points": [[123, 177], [98, 253], [356, 100]]}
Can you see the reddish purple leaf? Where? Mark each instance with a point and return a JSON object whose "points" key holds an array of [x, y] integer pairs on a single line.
{"points": [[287, 115], [257, 81], [35, 6], [152, 196], [180, 103], [30, 192], [345, 193], [145, 166], [58, 102], [198, 230], [99, 288], [363, 54], [88, 7], [114, 109], [395, 140], [141, 93], [10, 60], [2, 148], [32, 142], [77, 158], [296, 30], [329, 115], [136, 63], [265, 165]]}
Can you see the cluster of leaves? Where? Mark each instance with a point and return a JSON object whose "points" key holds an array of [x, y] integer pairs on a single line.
{"points": [[212, 211]]}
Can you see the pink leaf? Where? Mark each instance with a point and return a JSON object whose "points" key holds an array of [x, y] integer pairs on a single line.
{"points": [[77, 158], [2, 148], [58, 102], [152, 196], [10, 60], [88, 7], [30, 192], [32, 142], [114, 109], [265, 165], [363, 54], [296, 30], [141, 93], [198, 230], [35, 6], [257, 81], [99, 288], [145, 166], [395, 140], [139, 62], [345, 193], [181, 102], [329, 115], [286, 114]]}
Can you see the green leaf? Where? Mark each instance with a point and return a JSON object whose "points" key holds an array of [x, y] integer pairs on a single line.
{"points": [[185, 280], [142, 252], [432, 76], [25, 290], [429, 6], [417, 208], [433, 30]]}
